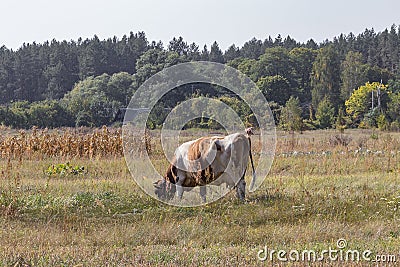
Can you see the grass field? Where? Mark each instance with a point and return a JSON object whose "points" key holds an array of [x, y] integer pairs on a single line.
{"points": [[322, 187]]}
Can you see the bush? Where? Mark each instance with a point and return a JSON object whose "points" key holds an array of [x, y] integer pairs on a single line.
{"points": [[325, 114], [395, 126], [309, 125], [370, 119], [382, 122], [42, 114], [291, 115], [339, 139], [64, 169]]}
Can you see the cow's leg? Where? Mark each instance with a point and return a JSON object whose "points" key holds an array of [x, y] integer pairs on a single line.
{"points": [[180, 179], [179, 192], [241, 189], [203, 191]]}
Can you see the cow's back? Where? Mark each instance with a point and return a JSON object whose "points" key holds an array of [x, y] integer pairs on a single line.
{"points": [[227, 163]]}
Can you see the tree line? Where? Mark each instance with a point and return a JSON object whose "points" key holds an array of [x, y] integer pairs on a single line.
{"points": [[85, 82]]}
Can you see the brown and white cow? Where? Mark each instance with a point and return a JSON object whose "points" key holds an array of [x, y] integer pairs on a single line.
{"points": [[208, 160]]}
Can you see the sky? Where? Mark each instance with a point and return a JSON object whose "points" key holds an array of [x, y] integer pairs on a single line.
{"points": [[203, 22]]}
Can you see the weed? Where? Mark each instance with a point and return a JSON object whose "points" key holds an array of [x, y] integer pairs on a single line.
{"points": [[64, 169]]}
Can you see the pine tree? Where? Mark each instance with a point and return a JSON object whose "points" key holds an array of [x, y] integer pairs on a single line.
{"points": [[179, 46], [340, 123], [325, 80], [231, 53], [194, 52], [393, 47], [291, 119], [216, 54], [252, 49], [205, 55], [302, 60], [353, 74], [325, 114]]}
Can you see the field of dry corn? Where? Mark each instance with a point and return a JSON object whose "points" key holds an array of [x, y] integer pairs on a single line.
{"points": [[67, 199]]}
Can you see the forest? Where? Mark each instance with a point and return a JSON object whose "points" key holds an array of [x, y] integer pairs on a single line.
{"points": [[348, 82]]}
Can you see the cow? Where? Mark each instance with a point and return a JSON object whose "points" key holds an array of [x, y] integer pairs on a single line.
{"points": [[208, 161]]}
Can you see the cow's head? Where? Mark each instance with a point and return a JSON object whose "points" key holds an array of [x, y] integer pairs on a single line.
{"points": [[165, 188]]}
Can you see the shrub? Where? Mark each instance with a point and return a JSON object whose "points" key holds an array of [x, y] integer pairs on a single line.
{"points": [[64, 169], [325, 114], [382, 122]]}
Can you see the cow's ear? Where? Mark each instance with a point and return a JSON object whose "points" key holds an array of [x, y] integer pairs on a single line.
{"points": [[157, 184]]}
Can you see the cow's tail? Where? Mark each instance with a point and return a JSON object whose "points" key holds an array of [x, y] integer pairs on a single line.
{"points": [[253, 179]]}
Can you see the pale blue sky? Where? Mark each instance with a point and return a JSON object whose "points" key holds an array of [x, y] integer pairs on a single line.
{"points": [[202, 22]]}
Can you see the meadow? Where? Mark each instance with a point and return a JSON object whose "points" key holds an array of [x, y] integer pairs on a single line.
{"points": [[68, 199]]}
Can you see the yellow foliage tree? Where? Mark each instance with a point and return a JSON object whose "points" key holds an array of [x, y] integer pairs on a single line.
{"points": [[359, 102]]}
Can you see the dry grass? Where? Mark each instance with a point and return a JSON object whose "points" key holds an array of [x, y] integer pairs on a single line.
{"points": [[317, 192], [62, 143]]}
